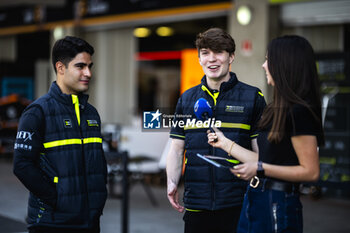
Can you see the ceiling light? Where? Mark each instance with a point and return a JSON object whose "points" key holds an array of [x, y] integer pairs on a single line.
{"points": [[165, 31], [142, 32], [58, 33], [244, 15]]}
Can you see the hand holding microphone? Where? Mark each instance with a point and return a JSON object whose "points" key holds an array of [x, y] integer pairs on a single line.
{"points": [[203, 111], [217, 139]]}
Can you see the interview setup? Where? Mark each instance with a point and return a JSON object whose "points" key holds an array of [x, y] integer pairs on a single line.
{"points": [[204, 113]]}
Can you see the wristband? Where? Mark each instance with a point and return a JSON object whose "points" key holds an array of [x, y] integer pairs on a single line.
{"points": [[260, 172]]}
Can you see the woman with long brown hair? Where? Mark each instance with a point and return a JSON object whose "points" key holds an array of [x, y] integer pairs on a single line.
{"points": [[290, 132]]}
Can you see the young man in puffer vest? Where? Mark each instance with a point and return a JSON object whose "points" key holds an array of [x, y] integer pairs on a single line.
{"points": [[58, 149], [213, 196]]}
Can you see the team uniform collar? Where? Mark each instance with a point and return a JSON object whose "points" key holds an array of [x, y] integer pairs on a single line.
{"points": [[56, 93], [225, 86]]}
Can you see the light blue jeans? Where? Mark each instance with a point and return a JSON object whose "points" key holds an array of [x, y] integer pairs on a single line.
{"points": [[270, 211]]}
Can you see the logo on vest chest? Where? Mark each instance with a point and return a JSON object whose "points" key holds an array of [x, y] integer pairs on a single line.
{"points": [[234, 108], [92, 123], [67, 123]]}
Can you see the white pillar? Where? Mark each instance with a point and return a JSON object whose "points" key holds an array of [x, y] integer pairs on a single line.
{"points": [[112, 90], [247, 64]]}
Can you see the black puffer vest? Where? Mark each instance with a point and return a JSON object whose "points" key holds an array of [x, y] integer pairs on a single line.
{"points": [[238, 107], [73, 159]]}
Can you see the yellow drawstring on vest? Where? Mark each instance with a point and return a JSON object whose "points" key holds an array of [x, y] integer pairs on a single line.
{"points": [[75, 100]]}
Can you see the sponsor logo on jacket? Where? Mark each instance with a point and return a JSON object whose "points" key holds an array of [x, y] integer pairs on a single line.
{"points": [[234, 108], [67, 123], [24, 135], [92, 123]]}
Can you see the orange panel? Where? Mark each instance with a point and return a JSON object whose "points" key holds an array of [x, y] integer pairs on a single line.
{"points": [[191, 71]]}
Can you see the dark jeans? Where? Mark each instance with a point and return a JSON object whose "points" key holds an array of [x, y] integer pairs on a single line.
{"points": [[270, 211], [218, 221]]}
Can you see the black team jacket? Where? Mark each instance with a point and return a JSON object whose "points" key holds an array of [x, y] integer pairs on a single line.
{"points": [[61, 162], [239, 107]]}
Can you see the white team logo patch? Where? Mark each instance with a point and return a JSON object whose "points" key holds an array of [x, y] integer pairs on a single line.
{"points": [[24, 135]]}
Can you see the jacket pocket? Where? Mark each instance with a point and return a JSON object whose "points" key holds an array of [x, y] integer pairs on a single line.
{"points": [[51, 176], [48, 170]]}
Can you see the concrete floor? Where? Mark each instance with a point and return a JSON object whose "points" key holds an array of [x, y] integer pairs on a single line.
{"points": [[327, 215]]}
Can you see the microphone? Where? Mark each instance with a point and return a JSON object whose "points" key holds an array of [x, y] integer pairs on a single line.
{"points": [[203, 111]]}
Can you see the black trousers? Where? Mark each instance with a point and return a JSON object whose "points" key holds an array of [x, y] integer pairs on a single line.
{"points": [[217, 221]]}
